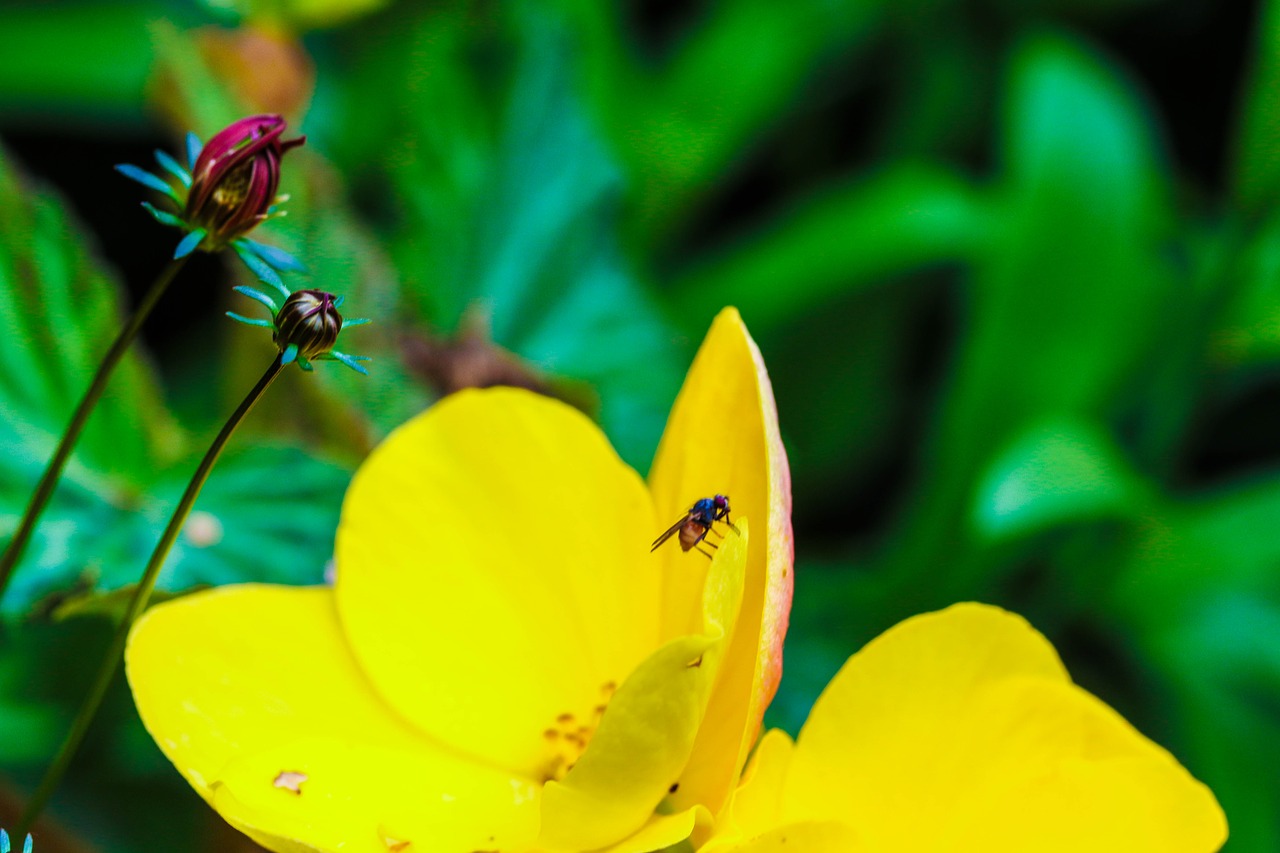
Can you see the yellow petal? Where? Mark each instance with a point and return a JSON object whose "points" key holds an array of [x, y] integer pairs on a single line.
{"points": [[822, 836], [492, 572], [659, 833], [949, 725], [358, 799], [1072, 775], [243, 683], [722, 438], [645, 737], [757, 803]]}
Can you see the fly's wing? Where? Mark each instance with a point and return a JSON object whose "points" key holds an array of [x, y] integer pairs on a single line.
{"points": [[671, 531]]}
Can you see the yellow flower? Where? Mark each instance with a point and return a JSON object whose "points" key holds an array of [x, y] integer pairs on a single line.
{"points": [[961, 731], [502, 663]]}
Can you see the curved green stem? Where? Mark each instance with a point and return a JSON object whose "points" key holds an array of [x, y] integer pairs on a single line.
{"points": [[52, 471], [141, 595]]}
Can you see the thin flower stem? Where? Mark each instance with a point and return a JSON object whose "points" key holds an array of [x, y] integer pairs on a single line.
{"points": [[48, 480], [138, 603]]}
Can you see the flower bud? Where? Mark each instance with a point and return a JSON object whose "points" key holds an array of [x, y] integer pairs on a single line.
{"points": [[235, 177], [308, 320]]}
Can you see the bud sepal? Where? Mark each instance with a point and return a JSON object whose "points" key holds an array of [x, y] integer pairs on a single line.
{"points": [[4, 843]]}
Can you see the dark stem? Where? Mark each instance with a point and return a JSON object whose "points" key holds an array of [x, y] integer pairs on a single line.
{"points": [[141, 595], [48, 480]]}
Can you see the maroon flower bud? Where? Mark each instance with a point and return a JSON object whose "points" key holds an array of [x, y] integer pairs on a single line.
{"points": [[235, 177], [308, 320]]}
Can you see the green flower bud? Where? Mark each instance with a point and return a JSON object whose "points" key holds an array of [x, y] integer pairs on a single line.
{"points": [[308, 320]]}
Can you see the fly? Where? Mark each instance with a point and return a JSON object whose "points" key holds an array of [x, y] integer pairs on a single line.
{"points": [[696, 524]]}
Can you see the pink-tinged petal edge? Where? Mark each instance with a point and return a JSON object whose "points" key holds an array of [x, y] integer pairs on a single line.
{"points": [[723, 436]]}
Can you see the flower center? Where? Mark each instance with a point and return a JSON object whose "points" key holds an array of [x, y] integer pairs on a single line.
{"points": [[232, 189], [567, 739]]}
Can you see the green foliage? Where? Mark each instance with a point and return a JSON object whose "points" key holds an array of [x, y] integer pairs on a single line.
{"points": [[510, 206], [61, 312], [1024, 346], [1054, 474]]}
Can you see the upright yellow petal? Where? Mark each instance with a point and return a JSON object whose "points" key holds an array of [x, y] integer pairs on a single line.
{"points": [[492, 574], [648, 732], [253, 694], [722, 438], [960, 730]]}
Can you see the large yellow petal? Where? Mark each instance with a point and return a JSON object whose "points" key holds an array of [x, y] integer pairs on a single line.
{"points": [[754, 823], [492, 573], [361, 799], [659, 832], [241, 684], [1070, 774], [722, 438], [640, 750], [960, 730], [810, 836]]}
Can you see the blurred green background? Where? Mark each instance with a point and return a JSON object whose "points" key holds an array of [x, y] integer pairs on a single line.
{"points": [[1014, 267]]}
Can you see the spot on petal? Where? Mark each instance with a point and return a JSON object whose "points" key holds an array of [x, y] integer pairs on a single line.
{"points": [[290, 781]]}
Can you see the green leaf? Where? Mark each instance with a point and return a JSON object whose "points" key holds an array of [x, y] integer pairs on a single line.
{"points": [[848, 239], [1068, 298], [44, 672], [1221, 665], [837, 441], [60, 314], [1199, 545], [510, 206], [681, 126], [1200, 592], [1077, 283], [1054, 473], [268, 514], [90, 62], [1248, 328], [551, 266], [1256, 167]]}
